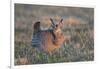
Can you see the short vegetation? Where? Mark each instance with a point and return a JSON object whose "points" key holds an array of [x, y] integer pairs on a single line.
{"points": [[78, 26]]}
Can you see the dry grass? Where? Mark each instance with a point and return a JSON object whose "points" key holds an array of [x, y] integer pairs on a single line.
{"points": [[78, 24]]}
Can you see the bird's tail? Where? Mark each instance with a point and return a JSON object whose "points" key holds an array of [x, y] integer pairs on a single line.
{"points": [[36, 27]]}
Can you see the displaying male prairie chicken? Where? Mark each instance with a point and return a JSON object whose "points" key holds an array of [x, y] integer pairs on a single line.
{"points": [[48, 40]]}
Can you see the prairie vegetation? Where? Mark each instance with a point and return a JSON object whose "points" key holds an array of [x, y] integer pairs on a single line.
{"points": [[78, 26]]}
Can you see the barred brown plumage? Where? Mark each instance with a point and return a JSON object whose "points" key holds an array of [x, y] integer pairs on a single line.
{"points": [[48, 40]]}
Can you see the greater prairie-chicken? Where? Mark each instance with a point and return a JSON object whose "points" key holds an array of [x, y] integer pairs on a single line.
{"points": [[48, 40]]}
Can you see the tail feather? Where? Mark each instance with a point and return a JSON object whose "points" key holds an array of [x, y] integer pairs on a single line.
{"points": [[36, 27]]}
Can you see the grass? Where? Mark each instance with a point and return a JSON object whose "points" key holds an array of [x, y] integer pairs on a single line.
{"points": [[78, 23]]}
